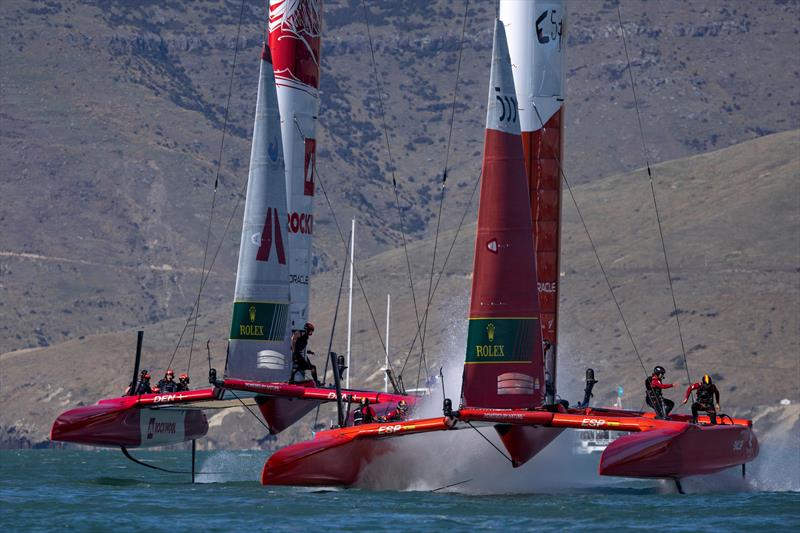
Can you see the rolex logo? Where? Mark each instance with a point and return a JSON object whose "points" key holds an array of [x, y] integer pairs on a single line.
{"points": [[490, 332], [252, 313]]}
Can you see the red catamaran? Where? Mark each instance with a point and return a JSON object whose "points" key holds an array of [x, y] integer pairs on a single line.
{"points": [[509, 380], [271, 294]]}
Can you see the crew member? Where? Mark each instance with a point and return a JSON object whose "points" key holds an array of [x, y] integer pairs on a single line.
{"points": [[168, 383], [143, 387], [300, 360], [399, 414], [707, 399], [654, 397], [183, 382], [364, 414]]}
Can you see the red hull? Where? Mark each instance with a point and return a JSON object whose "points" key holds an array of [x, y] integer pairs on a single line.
{"points": [[130, 421], [658, 449], [337, 457], [679, 451]]}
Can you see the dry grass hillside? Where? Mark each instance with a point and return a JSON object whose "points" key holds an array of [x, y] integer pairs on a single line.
{"points": [[111, 115], [732, 227]]}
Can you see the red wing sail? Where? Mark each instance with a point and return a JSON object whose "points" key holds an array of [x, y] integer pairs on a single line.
{"points": [[504, 366]]}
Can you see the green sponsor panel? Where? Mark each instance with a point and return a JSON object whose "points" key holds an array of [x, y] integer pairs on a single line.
{"points": [[259, 321], [502, 340]]}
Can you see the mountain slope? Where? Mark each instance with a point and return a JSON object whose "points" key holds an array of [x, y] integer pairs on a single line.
{"points": [[112, 114], [732, 227]]}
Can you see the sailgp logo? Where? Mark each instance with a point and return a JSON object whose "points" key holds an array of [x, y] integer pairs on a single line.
{"points": [[155, 428], [265, 244], [508, 106]]}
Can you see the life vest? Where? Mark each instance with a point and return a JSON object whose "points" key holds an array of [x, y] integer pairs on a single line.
{"points": [[300, 345], [358, 417], [705, 394], [651, 391]]}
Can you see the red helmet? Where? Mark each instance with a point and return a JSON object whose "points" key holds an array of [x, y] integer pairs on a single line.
{"points": [[184, 376], [309, 327], [170, 372]]}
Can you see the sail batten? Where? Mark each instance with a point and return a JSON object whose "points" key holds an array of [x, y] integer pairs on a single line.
{"points": [[259, 336], [503, 366]]}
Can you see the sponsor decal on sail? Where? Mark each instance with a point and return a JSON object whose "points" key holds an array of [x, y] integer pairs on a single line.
{"points": [[302, 223], [501, 340], [264, 321], [266, 239]]}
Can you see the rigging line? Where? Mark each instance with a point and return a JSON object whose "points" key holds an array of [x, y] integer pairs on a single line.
{"points": [[444, 178], [391, 167], [452, 485], [491, 443], [216, 179], [653, 192], [594, 249], [251, 411], [204, 274], [355, 268], [346, 244], [333, 330], [444, 265]]}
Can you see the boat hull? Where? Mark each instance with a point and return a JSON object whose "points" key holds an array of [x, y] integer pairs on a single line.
{"points": [[135, 421], [338, 456], [679, 451]]}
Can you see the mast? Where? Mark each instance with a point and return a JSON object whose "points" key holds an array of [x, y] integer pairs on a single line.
{"points": [[294, 36], [259, 340], [350, 303], [386, 361], [504, 363], [535, 31]]}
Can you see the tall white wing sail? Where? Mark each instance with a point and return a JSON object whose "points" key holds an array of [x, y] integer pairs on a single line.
{"points": [[259, 339]]}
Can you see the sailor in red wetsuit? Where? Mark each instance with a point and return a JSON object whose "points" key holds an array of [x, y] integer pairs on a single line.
{"points": [[398, 414], [707, 399], [654, 397], [364, 414]]}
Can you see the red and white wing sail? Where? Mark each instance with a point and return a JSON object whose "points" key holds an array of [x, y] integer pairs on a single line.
{"points": [[536, 31], [295, 28], [504, 365]]}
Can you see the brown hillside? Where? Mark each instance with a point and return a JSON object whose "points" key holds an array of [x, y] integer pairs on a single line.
{"points": [[732, 228]]}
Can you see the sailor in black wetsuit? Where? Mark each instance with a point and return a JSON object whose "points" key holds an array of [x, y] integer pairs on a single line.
{"points": [[707, 399], [183, 382], [300, 353], [168, 383], [654, 385], [143, 387]]}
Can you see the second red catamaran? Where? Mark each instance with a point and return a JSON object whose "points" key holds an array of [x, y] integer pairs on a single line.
{"points": [[510, 363]]}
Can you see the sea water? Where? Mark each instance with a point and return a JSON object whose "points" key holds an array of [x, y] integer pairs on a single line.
{"points": [[47, 490]]}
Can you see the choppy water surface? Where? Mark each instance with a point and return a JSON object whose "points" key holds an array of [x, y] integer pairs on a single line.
{"points": [[45, 490]]}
